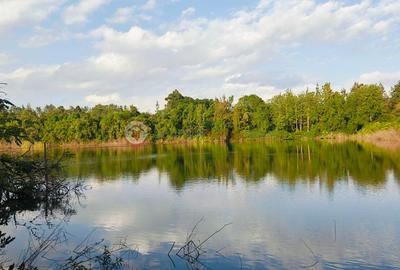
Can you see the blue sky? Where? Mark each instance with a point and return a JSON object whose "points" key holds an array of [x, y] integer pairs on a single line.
{"points": [[84, 52]]}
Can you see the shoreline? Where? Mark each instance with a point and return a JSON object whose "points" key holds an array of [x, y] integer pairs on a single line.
{"points": [[388, 138]]}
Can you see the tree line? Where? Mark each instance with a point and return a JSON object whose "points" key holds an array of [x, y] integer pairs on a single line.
{"points": [[315, 112]]}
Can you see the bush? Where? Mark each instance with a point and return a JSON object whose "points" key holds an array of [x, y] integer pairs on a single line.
{"points": [[377, 126]]}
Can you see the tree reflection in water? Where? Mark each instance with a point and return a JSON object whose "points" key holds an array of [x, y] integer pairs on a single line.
{"points": [[35, 186], [288, 162]]}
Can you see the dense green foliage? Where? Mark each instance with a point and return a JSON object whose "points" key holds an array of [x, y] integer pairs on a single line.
{"points": [[394, 101], [10, 126], [22, 177], [311, 112]]}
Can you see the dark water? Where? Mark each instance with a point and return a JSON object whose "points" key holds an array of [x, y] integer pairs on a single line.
{"points": [[292, 205]]}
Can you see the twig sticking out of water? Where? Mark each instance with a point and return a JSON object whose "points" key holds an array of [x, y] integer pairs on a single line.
{"points": [[42, 247], [334, 228], [190, 251], [169, 256], [190, 236], [86, 255], [172, 247], [316, 260], [217, 231]]}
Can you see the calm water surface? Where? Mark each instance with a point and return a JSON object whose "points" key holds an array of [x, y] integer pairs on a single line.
{"points": [[292, 205]]}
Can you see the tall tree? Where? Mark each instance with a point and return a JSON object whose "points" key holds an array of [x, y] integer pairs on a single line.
{"points": [[394, 100], [365, 104], [222, 124], [333, 112], [251, 113]]}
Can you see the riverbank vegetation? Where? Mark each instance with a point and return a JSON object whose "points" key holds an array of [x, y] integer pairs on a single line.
{"points": [[363, 109], [36, 185]]}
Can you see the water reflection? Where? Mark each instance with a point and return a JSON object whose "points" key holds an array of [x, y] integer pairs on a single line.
{"points": [[340, 200], [289, 162]]}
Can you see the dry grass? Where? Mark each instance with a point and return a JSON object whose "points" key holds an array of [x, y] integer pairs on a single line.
{"points": [[388, 139]]}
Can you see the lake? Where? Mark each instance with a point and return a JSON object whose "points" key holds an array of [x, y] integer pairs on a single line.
{"points": [[289, 205]]}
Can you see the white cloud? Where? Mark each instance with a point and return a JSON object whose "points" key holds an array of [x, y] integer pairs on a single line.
{"points": [[241, 89], [112, 62], [122, 15], [195, 73], [145, 17], [18, 12], [197, 55], [201, 47], [107, 99], [149, 5], [22, 74], [188, 12], [5, 59], [43, 37], [388, 79], [128, 15], [78, 13]]}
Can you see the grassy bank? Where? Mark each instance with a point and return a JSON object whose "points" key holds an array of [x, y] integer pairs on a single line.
{"points": [[385, 134]]}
